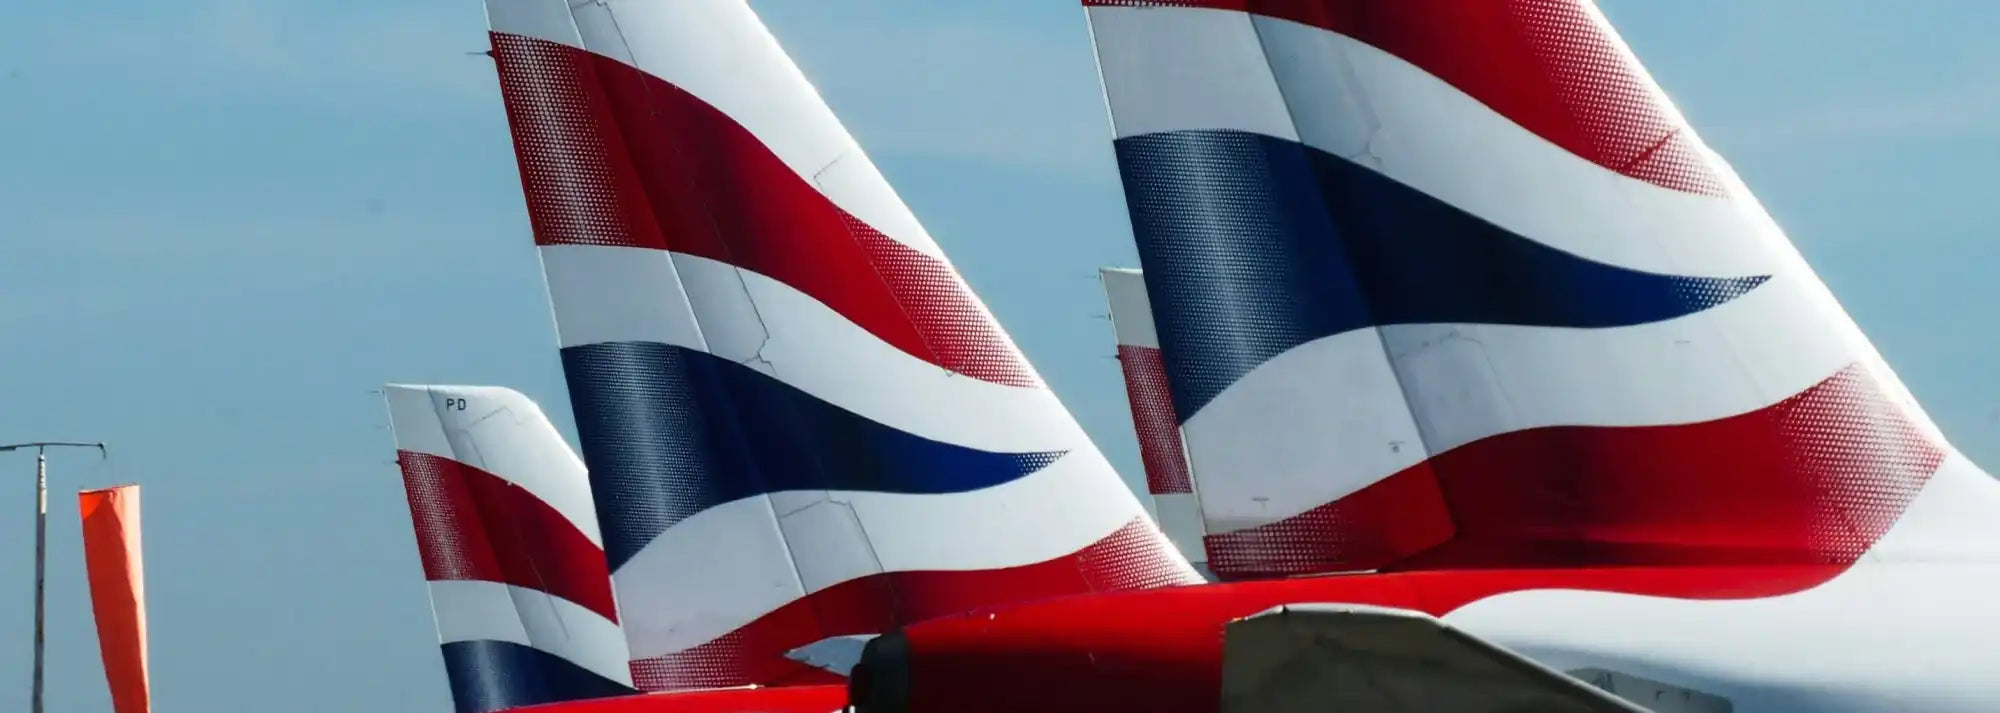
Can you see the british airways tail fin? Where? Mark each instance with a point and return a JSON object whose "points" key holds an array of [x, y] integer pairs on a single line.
{"points": [[1153, 419], [1450, 283], [510, 546], [799, 422]]}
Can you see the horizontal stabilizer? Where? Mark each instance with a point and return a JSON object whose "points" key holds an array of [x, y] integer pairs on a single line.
{"points": [[1320, 657]]}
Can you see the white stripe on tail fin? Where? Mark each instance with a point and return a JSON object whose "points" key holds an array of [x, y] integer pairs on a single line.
{"points": [[800, 424], [1450, 283], [510, 545], [1153, 419]]}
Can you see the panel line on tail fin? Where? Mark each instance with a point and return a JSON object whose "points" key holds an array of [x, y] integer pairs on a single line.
{"points": [[1125, 560], [682, 129], [476, 611], [1553, 68], [767, 219], [519, 587], [1358, 250], [471, 526], [744, 434], [1518, 226]]}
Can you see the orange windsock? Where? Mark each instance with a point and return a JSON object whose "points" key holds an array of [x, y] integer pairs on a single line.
{"points": [[118, 592]]}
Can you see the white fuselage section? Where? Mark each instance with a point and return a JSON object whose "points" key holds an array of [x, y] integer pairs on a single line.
{"points": [[1912, 627], [1879, 638]]}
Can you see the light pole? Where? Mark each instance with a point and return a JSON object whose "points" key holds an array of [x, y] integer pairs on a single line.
{"points": [[42, 540]]}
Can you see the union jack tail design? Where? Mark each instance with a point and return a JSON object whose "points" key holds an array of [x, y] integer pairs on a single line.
{"points": [[511, 548], [799, 422], [1450, 283]]}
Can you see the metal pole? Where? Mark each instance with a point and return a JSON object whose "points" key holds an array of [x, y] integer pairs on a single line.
{"points": [[41, 564], [42, 546]]}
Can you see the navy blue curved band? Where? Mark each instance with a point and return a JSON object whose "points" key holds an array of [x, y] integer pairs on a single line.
{"points": [[668, 432], [488, 676], [1253, 245]]}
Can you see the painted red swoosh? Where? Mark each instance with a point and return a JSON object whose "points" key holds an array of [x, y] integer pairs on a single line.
{"points": [[1544, 64]]}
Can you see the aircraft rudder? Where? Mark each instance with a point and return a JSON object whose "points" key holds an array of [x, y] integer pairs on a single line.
{"points": [[482, 466]]}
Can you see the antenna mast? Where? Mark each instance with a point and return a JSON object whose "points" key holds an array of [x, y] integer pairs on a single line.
{"points": [[42, 542]]}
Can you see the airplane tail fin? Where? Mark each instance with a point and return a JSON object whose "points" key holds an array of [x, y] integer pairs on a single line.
{"points": [[510, 547], [800, 424], [1153, 419], [1450, 283]]}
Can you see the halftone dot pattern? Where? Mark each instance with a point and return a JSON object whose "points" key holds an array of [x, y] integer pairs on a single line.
{"points": [[1860, 456], [489, 676], [956, 328], [1629, 131], [1422, 260], [1159, 431], [646, 444], [746, 656], [1241, 259], [451, 537], [611, 156], [1815, 479], [1387, 521], [1253, 245], [474, 526], [1135, 556], [1547, 65], [669, 432], [572, 161], [1700, 293]]}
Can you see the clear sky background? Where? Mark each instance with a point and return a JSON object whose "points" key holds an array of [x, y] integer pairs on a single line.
{"points": [[225, 221]]}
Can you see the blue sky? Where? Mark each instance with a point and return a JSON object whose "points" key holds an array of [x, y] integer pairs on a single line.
{"points": [[226, 221]]}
